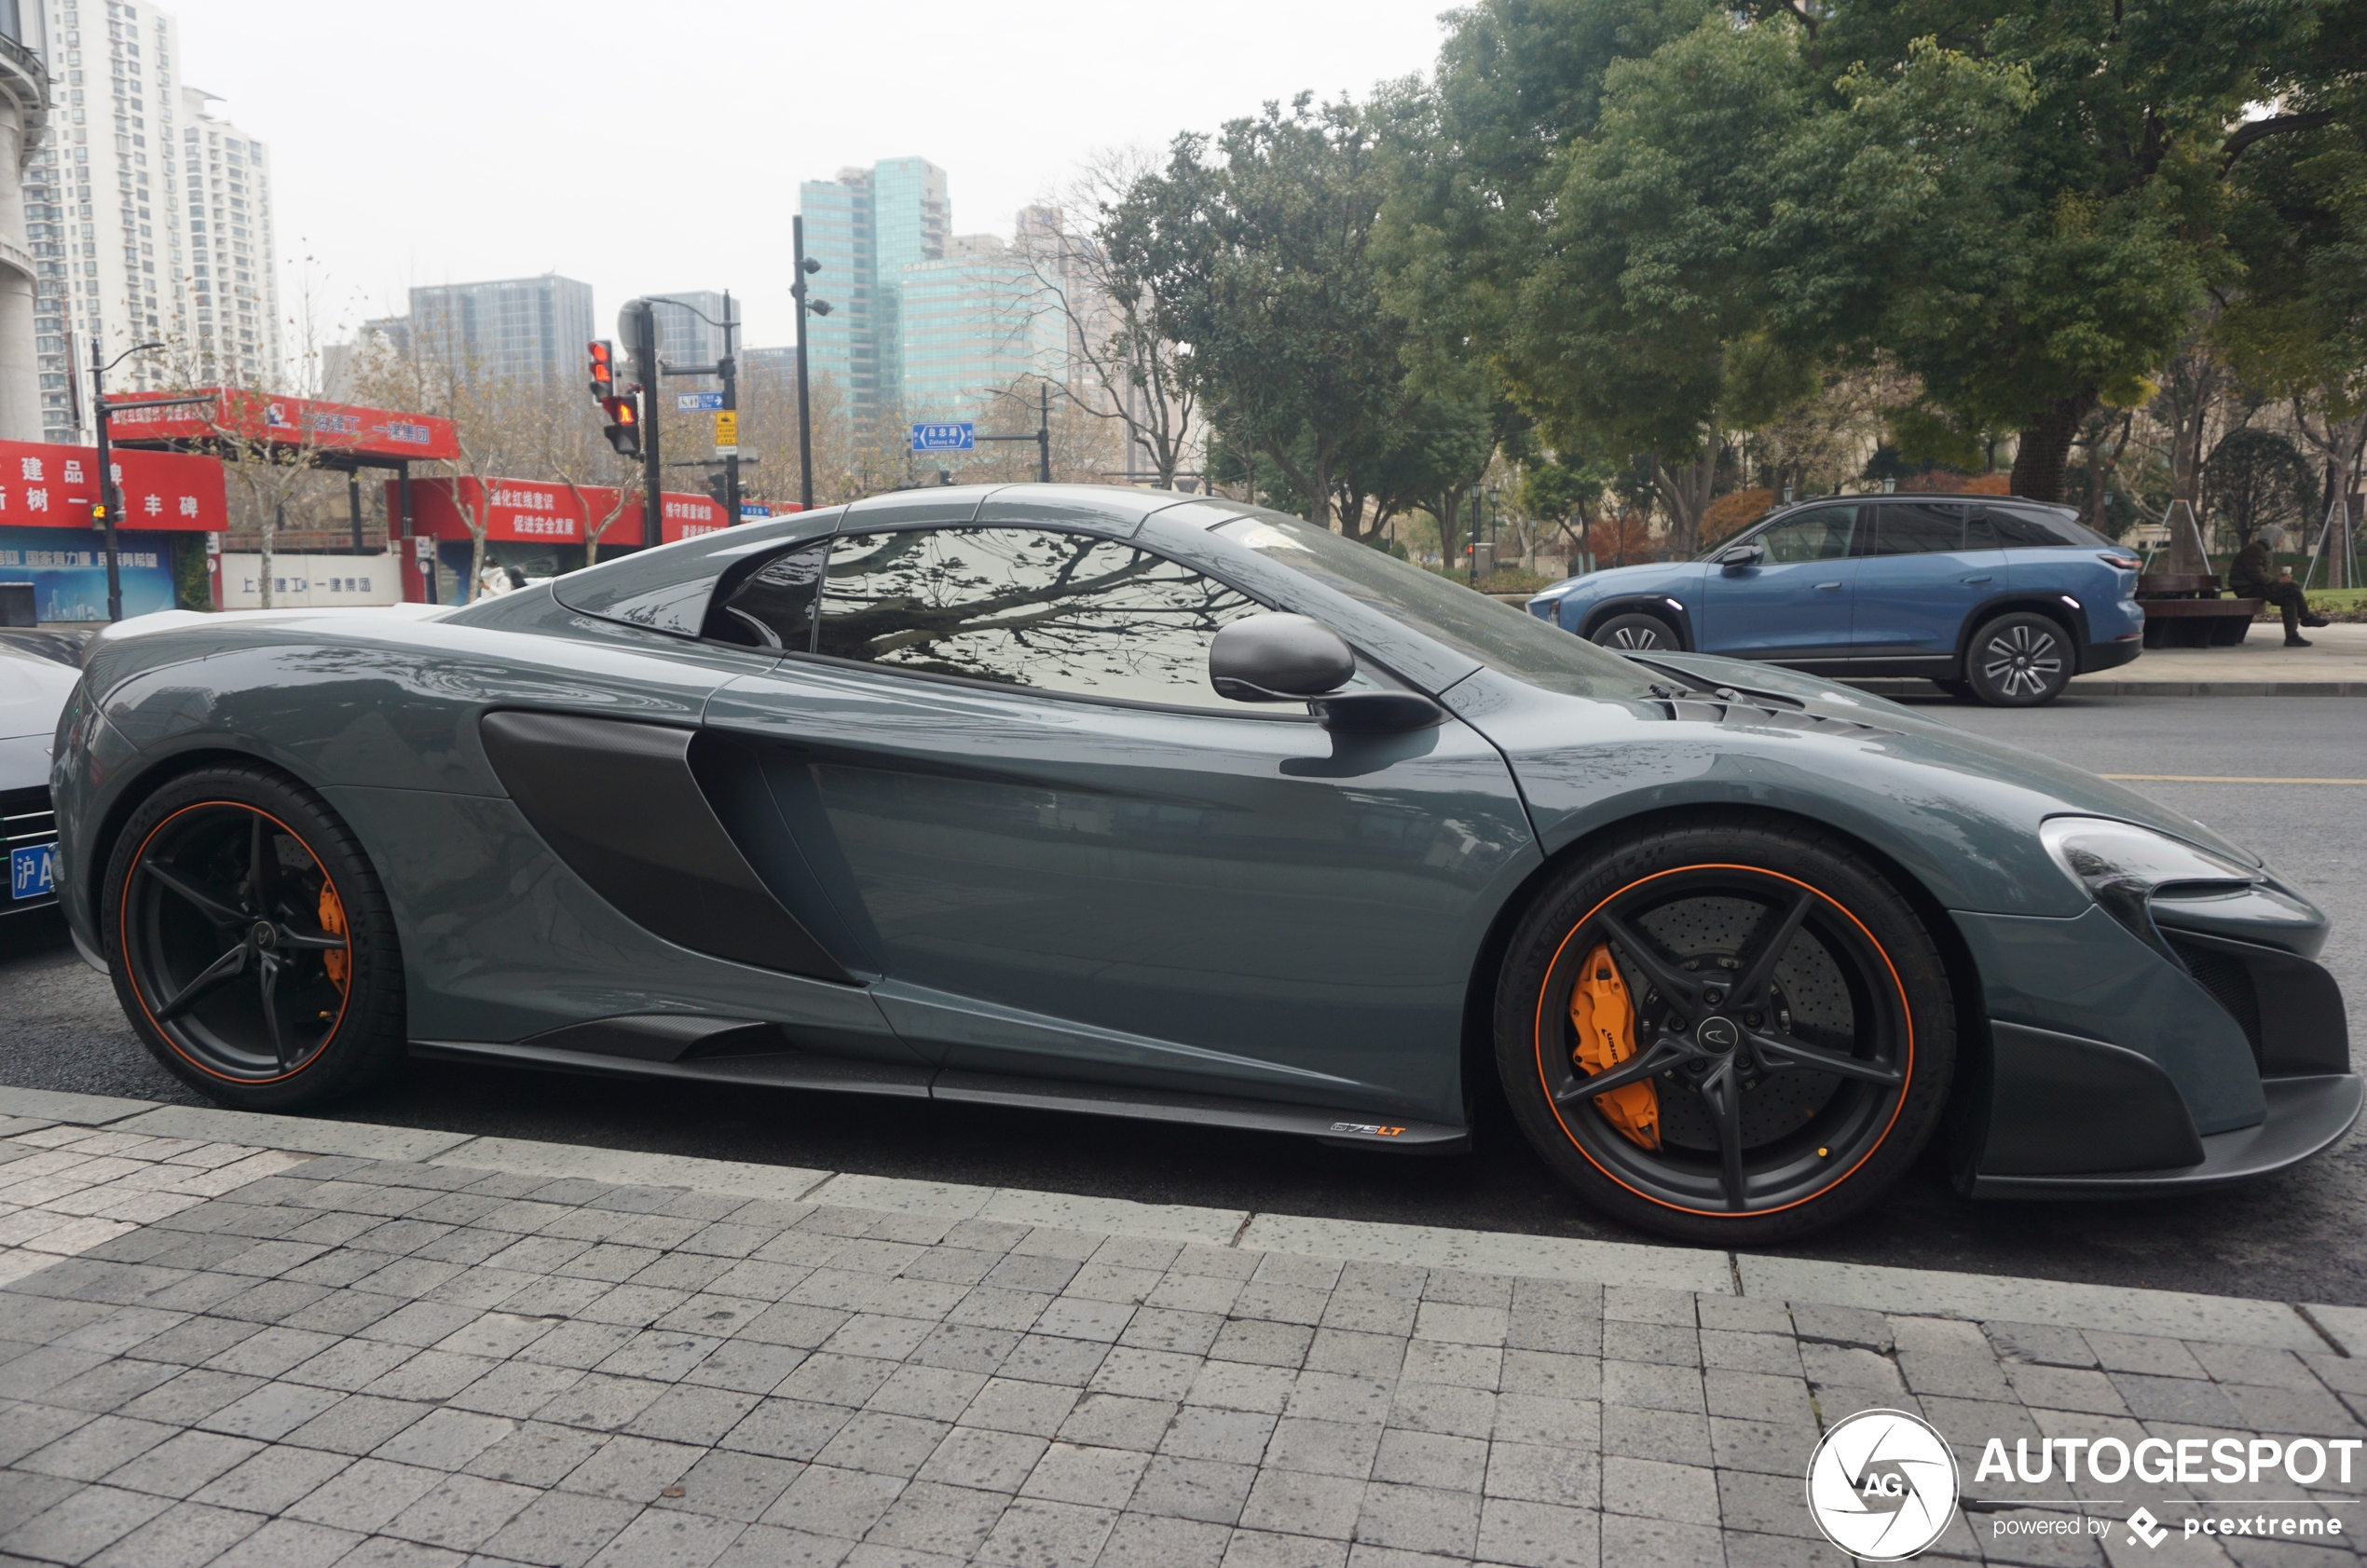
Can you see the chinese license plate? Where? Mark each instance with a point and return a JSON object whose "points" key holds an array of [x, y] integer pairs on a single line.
{"points": [[33, 871]]}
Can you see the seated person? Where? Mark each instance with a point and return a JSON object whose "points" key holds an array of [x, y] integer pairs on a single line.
{"points": [[2253, 575]]}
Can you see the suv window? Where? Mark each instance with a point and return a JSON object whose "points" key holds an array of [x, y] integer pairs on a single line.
{"points": [[2032, 527], [1917, 527], [1028, 606], [1822, 534]]}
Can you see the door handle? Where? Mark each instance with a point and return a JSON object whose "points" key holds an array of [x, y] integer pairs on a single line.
{"points": [[1829, 588], [1983, 578]]}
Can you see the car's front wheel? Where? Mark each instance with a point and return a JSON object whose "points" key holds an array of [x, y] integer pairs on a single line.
{"points": [[251, 943], [1642, 632], [2019, 660], [1733, 1035]]}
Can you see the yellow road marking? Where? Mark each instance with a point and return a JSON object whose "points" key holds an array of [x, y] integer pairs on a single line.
{"points": [[2200, 778]]}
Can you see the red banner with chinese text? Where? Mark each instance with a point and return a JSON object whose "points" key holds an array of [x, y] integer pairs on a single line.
{"points": [[546, 511], [293, 422], [43, 486]]}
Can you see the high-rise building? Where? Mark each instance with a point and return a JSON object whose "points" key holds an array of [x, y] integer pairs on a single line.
{"points": [[24, 111], [838, 237], [232, 314], [866, 227], [516, 329], [974, 322], [154, 217]]}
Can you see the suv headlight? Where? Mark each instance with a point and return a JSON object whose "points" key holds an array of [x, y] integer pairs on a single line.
{"points": [[2123, 865]]}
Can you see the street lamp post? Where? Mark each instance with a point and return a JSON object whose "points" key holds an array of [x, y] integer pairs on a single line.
{"points": [[805, 307], [110, 499]]}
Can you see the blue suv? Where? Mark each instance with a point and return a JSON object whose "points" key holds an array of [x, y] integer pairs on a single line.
{"points": [[1994, 599]]}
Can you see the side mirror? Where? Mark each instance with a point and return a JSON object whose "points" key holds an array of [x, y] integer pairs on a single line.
{"points": [[1741, 555], [1278, 659]]}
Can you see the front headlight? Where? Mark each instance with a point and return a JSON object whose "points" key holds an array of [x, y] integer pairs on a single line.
{"points": [[2123, 865]]}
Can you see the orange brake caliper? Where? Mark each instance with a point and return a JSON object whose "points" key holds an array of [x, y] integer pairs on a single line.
{"points": [[332, 921], [1604, 1018]]}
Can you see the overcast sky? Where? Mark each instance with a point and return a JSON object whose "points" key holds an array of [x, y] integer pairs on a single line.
{"points": [[436, 141]]}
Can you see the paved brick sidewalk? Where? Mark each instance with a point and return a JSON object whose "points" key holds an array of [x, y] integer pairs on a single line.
{"points": [[270, 1359]]}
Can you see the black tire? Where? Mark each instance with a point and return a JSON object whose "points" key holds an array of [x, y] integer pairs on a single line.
{"points": [[1960, 689], [2021, 659], [219, 919], [1855, 978], [1637, 632]]}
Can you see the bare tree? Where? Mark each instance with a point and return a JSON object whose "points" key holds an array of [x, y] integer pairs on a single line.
{"points": [[1124, 364], [495, 422]]}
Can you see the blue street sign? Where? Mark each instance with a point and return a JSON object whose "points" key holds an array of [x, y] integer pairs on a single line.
{"points": [[945, 438], [754, 508], [694, 403]]}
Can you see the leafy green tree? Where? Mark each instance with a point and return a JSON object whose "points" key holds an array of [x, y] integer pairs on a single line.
{"points": [[1682, 209], [2256, 479], [1267, 258]]}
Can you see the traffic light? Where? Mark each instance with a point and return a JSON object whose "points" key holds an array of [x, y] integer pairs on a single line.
{"points": [[717, 487], [603, 371], [637, 324], [624, 425]]}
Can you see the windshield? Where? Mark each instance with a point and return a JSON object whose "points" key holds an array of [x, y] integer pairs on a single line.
{"points": [[1500, 635]]}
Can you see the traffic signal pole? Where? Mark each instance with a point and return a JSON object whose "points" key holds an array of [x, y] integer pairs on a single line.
{"points": [[728, 369], [638, 324]]}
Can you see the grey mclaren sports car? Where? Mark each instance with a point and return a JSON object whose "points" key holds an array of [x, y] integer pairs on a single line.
{"points": [[1142, 804]]}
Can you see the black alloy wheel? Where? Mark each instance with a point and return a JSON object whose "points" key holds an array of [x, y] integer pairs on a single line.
{"points": [[2019, 660], [1785, 1007], [1637, 632], [250, 942]]}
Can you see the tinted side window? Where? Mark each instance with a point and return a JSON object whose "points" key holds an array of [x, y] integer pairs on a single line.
{"points": [[1917, 527], [1821, 535], [1028, 606], [2038, 527], [772, 607]]}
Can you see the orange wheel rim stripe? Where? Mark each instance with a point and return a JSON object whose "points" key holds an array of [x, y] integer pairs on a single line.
{"points": [[1907, 1013], [131, 974]]}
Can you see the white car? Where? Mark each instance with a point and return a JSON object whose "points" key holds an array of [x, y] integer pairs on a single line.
{"points": [[32, 692]]}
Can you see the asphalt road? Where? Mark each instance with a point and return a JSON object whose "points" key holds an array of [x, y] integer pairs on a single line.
{"points": [[2300, 1236]]}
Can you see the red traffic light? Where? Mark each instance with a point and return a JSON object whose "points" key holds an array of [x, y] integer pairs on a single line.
{"points": [[603, 370], [624, 425]]}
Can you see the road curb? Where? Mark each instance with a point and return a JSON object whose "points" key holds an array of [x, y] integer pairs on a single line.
{"points": [[1919, 1292], [2094, 685]]}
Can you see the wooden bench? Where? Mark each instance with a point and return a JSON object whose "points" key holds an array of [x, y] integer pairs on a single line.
{"points": [[2184, 609]]}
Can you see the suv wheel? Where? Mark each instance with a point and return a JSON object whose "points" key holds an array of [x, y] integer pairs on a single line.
{"points": [[1639, 631], [2019, 660]]}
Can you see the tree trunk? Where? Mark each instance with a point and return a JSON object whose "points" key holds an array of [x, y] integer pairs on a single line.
{"points": [[1447, 509], [1684, 491], [2044, 448], [271, 542]]}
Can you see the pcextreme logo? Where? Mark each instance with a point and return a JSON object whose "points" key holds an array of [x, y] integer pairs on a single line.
{"points": [[1881, 1485]]}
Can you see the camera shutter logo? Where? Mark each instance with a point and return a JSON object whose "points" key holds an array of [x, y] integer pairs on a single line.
{"points": [[1881, 1485]]}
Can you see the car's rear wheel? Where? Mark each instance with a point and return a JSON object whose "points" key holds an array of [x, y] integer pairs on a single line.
{"points": [[1638, 631], [2019, 660], [250, 942], [1732, 1034]]}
